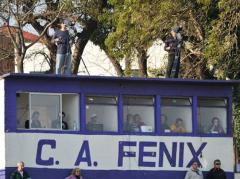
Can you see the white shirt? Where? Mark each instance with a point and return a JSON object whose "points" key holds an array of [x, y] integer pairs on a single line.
{"points": [[21, 172], [191, 174]]}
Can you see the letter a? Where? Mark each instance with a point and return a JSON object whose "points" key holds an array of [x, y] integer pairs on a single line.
{"points": [[84, 149]]}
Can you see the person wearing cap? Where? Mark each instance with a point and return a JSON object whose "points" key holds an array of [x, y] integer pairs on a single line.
{"points": [[61, 38], [92, 122], [194, 172], [216, 172], [173, 46], [20, 173]]}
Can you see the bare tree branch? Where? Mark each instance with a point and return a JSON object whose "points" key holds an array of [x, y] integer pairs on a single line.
{"points": [[46, 28]]}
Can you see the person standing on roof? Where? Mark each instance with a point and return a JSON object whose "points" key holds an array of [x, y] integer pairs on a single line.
{"points": [[173, 47], [61, 38]]}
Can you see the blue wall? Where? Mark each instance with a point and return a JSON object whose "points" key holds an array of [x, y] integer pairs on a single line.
{"points": [[107, 174]]}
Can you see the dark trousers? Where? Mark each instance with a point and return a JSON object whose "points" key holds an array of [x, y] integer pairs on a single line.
{"points": [[173, 66]]}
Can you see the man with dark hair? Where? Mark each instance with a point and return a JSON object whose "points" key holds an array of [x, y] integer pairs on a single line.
{"points": [[216, 172], [173, 47], [20, 173], [61, 38]]}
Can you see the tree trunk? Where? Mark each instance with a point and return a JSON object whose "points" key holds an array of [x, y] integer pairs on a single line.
{"points": [[82, 41], [18, 63], [128, 66], [19, 54], [52, 52], [46, 40], [115, 63], [142, 61], [19, 59], [78, 51]]}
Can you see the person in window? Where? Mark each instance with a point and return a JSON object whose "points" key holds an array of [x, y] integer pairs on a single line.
{"points": [[75, 174], [194, 172], [35, 123], [93, 124], [215, 126], [178, 126], [20, 173], [64, 123], [56, 124], [137, 123], [216, 172], [128, 123], [164, 125]]}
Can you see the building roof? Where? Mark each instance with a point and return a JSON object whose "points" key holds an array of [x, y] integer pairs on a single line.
{"points": [[165, 81], [27, 35]]}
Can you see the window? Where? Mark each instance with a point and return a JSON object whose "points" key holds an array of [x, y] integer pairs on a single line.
{"points": [[101, 113], [44, 111], [212, 115], [138, 114], [47, 111], [176, 114]]}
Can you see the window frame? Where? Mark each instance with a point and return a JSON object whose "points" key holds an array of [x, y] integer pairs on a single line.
{"points": [[157, 105], [154, 97], [228, 108], [30, 109], [162, 133], [52, 130], [84, 116]]}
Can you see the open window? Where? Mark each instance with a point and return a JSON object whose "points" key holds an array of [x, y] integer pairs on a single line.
{"points": [[212, 115], [176, 114], [101, 113], [47, 111], [138, 114]]}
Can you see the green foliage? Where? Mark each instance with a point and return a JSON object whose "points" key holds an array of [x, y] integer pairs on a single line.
{"points": [[222, 47], [236, 117], [137, 24]]}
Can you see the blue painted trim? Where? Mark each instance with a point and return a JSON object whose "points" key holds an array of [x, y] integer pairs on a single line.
{"points": [[2, 172], [158, 115], [229, 116], [110, 78], [40, 173], [194, 116], [82, 112], [125, 133], [120, 114], [119, 86]]}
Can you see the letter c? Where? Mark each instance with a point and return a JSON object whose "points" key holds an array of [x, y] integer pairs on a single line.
{"points": [[50, 160]]}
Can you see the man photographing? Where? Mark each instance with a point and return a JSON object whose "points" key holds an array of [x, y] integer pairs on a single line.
{"points": [[173, 47], [61, 38]]}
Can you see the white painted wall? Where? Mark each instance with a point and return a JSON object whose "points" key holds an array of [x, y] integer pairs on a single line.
{"points": [[104, 149], [2, 125], [237, 176]]}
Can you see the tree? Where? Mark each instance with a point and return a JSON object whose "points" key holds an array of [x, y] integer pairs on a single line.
{"points": [[21, 14], [85, 13], [223, 44], [48, 15], [134, 33]]}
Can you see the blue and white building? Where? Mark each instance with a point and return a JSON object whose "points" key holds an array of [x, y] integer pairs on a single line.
{"points": [[112, 128]]}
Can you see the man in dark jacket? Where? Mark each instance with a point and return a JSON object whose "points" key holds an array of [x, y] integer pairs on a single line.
{"points": [[173, 47], [20, 173], [216, 172], [61, 38]]}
